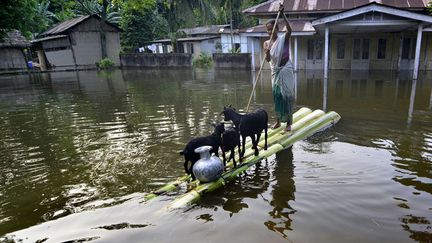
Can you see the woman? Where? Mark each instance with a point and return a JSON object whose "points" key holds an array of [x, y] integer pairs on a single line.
{"points": [[277, 53]]}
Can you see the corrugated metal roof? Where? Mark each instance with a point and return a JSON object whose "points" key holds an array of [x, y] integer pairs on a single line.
{"points": [[52, 37], [296, 26], [14, 39], [185, 39], [205, 30], [64, 26], [330, 5]]}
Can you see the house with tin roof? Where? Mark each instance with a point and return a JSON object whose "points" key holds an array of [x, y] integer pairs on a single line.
{"points": [[76, 43], [209, 39], [350, 34]]}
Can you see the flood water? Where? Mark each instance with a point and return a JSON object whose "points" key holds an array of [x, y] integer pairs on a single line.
{"points": [[79, 150]]}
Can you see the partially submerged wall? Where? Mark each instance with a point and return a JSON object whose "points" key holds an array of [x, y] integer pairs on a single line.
{"points": [[12, 58], [235, 61], [156, 60]]}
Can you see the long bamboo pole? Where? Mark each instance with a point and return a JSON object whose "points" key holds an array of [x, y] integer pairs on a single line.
{"points": [[297, 116], [262, 63], [317, 125]]}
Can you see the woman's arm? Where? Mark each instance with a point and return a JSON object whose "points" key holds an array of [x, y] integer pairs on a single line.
{"points": [[267, 50], [287, 25]]}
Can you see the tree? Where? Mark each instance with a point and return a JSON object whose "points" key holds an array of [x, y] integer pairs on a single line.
{"points": [[62, 9], [19, 15], [429, 7], [44, 17], [141, 22], [107, 10]]}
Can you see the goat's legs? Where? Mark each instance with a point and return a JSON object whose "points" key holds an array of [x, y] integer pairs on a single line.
{"points": [[243, 145], [233, 157], [254, 145], [224, 158], [186, 167], [191, 172], [239, 151], [258, 138], [265, 138]]}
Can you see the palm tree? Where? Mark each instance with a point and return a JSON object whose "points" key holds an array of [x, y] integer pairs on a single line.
{"points": [[90, 7], [45, 16], [105, 11]]}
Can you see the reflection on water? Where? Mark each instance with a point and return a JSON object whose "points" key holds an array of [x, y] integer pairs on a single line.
{"points": [[72, 142], [283, 189]]}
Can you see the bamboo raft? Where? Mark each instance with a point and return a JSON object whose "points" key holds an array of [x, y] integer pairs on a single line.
{"points": [[305, 124]]}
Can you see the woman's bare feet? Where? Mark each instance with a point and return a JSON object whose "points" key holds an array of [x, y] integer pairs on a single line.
{"points": [[288, 128], [276, 125]]}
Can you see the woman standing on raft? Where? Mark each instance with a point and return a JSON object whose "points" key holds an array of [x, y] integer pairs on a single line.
{"points": [[277, 51]]}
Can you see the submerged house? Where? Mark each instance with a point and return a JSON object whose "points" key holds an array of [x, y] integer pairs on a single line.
{"points": [[347, 34], [76, 43], [12, 56]]}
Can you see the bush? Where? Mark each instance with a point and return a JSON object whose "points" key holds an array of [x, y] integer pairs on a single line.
{"points": [[105, 63], [203, 61]]}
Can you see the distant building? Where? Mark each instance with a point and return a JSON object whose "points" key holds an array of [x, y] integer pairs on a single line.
{"points": [[209, 39], [12, 56], [348, 34], [76, 43]]}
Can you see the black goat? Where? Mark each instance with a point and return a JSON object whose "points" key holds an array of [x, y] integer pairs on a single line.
{"points": [[249, 125], [213, 140], [230, 139]]}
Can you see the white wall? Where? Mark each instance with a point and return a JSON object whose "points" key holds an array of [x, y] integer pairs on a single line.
{"points": [[209, 46], [226, 43]]}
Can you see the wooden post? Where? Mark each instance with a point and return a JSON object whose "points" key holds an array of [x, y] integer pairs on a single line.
{"points": [[253, 53], [400, 52], [417, 50], [411, 104], [295, 54], [326, 50], [42, 60], [325, 91]]}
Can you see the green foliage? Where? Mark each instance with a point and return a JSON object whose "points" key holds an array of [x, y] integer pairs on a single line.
{"points": [[141, 20], [20, 15], [105, 63], [218, 47], [44, 17], [238, 50], [203, 61], [429, 8], [90, 7], [141, 23]]}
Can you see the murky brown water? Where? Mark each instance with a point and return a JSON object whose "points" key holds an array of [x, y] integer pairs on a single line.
{"points": [[79, 150]]}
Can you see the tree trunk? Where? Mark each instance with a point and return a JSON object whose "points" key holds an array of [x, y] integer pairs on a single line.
{"points": [[102, 28]]}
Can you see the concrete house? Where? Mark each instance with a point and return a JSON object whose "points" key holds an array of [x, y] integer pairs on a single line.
{"points": [[76, 43], [12, 55], [209, 39], [348, 34]]}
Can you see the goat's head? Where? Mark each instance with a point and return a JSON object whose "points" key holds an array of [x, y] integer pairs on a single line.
{"points": [[219, 128], [228, 113]]}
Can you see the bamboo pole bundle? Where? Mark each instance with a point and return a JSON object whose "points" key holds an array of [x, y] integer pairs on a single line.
{"points": [[297, 116], [317, 125]]}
